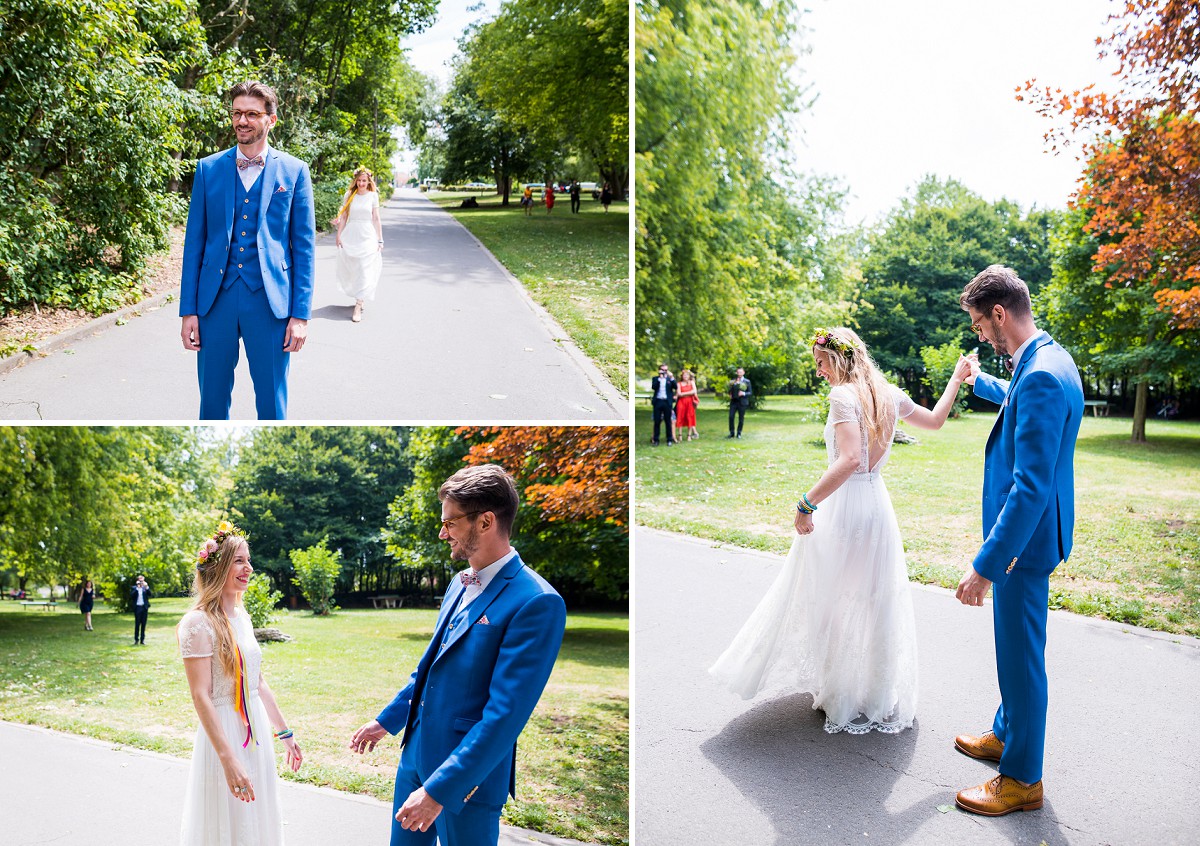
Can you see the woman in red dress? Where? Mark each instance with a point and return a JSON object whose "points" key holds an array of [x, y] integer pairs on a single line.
{"points": [[685, 405], [548, 196]]}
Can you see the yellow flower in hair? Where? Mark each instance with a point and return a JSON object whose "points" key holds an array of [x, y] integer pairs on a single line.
{"points": [[224, 526]]}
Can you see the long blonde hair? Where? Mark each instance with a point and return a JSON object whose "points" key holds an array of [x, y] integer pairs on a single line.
{"points": [[349, 198], [207, 587], [851, 364]]}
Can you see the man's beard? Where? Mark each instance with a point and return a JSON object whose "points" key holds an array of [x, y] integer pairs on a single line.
{"points": [[463, 549], [255, 136]]}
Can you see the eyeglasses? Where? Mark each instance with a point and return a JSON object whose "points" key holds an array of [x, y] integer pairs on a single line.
{"points": [[976, 329], [236, 114], [449, 521]]}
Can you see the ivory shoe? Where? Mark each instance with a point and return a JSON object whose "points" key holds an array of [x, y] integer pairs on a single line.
{"points": [[357, 316], [986, 747], [1002, 795]]}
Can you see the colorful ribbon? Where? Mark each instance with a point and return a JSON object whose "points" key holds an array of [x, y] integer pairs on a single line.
{"points": [[241, 702]]}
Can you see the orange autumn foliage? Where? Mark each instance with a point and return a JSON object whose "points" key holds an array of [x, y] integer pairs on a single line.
{"points": [[1142, 148], [570, 472]]}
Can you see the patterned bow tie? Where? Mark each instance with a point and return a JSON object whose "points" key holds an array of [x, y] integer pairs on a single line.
{"points": [[1007, 361], [245, 163], [469, 578]]}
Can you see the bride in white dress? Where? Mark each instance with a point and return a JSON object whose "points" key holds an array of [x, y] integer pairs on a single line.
{"points": [[838, 621], [232, 795], [360, 241]]}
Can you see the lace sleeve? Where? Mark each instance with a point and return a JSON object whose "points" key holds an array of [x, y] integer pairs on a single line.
{"points": [[904, 404], [843, 407], [195, 635]]}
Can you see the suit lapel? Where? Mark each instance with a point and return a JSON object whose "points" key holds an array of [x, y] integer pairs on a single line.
{"points": [[226, 174], [270, 170], [479, 605]]}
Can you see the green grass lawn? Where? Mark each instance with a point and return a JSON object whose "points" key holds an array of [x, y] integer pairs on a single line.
{"points": [[575, 265], [1136, 554], [339, 672]]}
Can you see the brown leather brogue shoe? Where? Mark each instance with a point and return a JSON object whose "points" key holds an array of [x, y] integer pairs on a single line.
{"points": [[1002, 795], [985, 747]]}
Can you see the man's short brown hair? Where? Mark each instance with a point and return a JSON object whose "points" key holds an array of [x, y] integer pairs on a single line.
{"points": [[997, 285], [260, 90], [484, 487]]}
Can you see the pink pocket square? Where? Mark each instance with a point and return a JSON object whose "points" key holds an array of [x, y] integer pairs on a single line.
{"points": [[280, 190], [484, 621]]}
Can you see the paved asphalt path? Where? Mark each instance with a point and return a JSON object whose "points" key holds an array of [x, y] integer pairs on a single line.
{"points": [[451, 337], [73, 791], [1121, 756]]}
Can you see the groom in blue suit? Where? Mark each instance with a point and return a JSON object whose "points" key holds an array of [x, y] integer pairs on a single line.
{"points": [[248, 261], [492, 651], [1028, 518]]}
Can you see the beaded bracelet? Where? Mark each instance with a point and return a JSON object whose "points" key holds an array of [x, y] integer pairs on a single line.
{"points": [[283, 735], [804, 497], [803, 508]]}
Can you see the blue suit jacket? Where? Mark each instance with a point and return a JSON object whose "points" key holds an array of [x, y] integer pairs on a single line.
{"points": [[479, 691], [286, 234], [1029, 477]]}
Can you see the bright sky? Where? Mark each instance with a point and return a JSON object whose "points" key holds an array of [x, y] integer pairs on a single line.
{"points": [[430, 51], [926, 86]]}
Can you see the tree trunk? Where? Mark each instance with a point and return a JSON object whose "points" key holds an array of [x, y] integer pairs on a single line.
{"points": [[1139, 412]]}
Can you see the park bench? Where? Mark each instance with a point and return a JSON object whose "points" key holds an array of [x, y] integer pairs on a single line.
{"points": [[389, 600], [1099, 407], [47, 604]]}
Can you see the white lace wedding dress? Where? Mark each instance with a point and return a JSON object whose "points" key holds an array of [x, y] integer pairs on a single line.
{"points": [[838, 621], [211, 815], [359, 261]]}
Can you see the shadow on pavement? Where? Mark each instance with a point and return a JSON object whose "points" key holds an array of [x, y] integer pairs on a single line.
{"points": [[834, 788], [334, 312]]}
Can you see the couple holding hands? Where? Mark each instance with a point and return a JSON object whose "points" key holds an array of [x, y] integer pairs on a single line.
{"points": [[838, 621], [459, 715]]}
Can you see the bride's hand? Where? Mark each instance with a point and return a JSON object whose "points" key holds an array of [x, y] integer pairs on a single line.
{"points": [[294, 757], [238, 780], [967, 369], [803, 522]]}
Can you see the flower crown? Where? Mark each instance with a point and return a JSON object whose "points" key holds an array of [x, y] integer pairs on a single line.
{"points": [[207, 554], [822, 338]]}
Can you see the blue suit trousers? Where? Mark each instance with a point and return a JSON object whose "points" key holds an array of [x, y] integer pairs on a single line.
{"points": [[1019, 614], [475, 824], [239, 313]]}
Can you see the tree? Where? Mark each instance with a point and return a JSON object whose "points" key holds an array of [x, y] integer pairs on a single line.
{"points": [[1113, 331], [572, 91], [295, 485], [931, 245], [732, 252], [1142, 152], [574, 484]]}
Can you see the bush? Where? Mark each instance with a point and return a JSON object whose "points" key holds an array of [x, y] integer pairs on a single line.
{"points": [[317, 570], [939, 367], [260, 600]]}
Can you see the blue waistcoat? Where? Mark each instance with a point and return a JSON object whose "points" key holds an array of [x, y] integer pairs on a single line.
{"points": [[243, 246]]}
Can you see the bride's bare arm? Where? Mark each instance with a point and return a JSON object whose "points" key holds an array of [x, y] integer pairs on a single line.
{"points": [[848, 437], [294, 756], [199, 676], [924, 418]]}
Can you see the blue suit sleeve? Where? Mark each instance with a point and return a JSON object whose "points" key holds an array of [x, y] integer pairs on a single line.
{"points": [[1040, 413], [523, 667], [395, 716], [990, 388], [303, 235], [193, 246]]}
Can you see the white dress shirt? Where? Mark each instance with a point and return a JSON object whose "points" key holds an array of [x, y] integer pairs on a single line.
{"points": [[485, 576], [249, 174]]}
